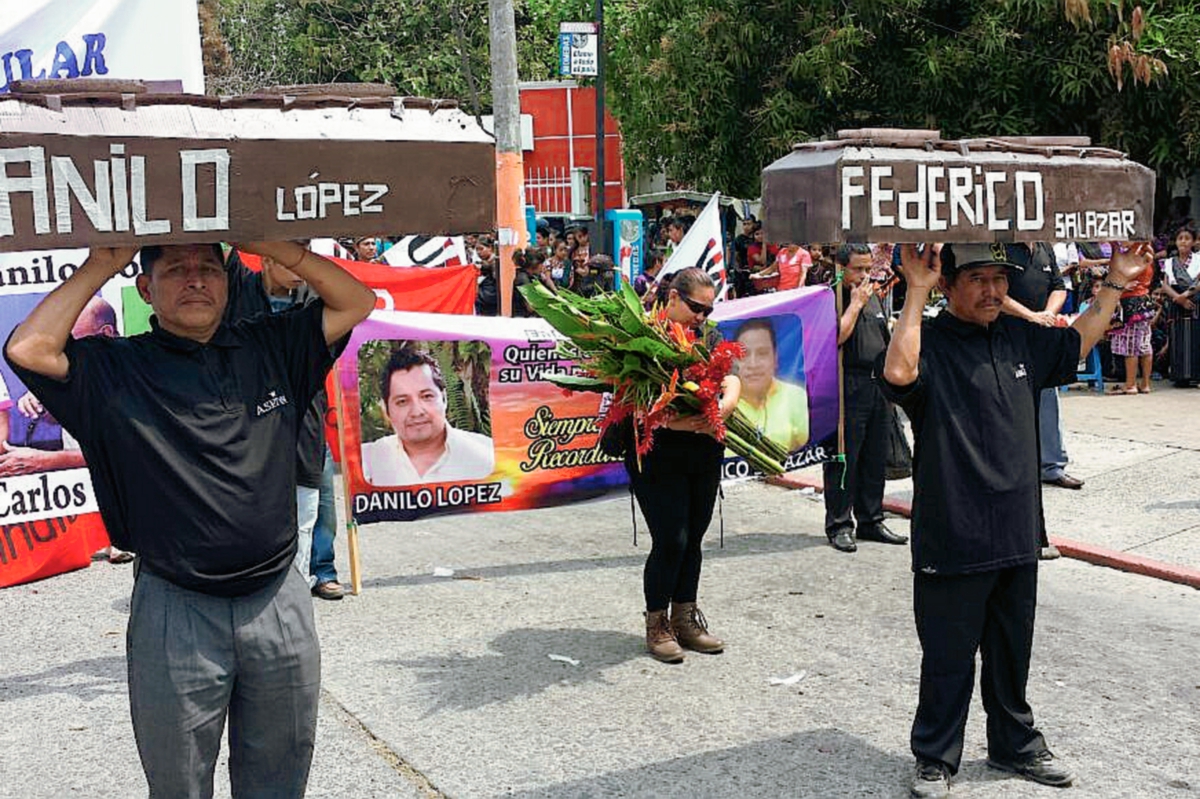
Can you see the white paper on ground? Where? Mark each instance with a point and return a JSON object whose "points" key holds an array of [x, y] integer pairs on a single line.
{"points": [[795, 678], [564, 659]]}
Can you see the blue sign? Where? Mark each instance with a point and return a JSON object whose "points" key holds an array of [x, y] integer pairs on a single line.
{"points": [[564, 53]]}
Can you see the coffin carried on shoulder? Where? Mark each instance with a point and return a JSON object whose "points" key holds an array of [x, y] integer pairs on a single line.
{"points": [[887, 185], [107, 163]]}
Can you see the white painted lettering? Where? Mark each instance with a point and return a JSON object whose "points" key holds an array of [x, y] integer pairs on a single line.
{"points": [[120, 190], [189, 160], [850, 190], [35, 184], [280, 213], [96, 205], [306, 202], [961, 187], [937, 197], [142, 224], [913, 201], [880, 195], [377, 191], [1025, 221], [991, 181]]}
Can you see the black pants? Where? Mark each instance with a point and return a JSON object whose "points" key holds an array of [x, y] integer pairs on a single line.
{"points": [[958, 615], [867, 427], [676, 488]]}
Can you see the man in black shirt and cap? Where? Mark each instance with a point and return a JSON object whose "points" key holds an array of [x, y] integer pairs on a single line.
{"points": [[969, 380], [857, 484], [189, 432]]}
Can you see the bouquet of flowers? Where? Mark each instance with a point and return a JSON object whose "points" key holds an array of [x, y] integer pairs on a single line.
{"points": [[655, 369]]}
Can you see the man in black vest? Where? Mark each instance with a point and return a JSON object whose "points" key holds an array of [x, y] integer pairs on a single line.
{"points": [[858, 483], [189, 432]]}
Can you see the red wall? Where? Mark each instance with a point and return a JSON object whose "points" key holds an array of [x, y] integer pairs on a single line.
{"points": [[554, 136]]}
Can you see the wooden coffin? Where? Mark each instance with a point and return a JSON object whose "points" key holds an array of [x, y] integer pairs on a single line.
{"points": [[883, 185], [112, 165]]}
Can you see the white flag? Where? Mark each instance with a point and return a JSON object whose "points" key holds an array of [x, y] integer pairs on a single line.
{"points": [[703, 246], [427, 251]]}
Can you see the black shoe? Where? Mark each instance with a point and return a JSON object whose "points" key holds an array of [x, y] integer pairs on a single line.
{"points": [[882, 534], [1065, 480], [931, 781], [843, 541], [1039, 768]]}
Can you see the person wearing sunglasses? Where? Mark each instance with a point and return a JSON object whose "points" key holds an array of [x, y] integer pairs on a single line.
{"points": [[676, 488]]}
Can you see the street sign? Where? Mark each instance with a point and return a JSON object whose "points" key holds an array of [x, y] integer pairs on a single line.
{"points": [[578, 49]]}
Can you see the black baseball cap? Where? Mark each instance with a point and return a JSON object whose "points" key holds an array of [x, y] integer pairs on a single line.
{"points": [[961, 257]]}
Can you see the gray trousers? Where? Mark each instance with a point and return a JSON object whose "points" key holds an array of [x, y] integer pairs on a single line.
{"points": [[196, 659], [1054, 454]]}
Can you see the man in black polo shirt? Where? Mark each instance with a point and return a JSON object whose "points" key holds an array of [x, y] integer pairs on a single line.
{"points": [[273, 289], [858, 483], [189, 432], [1037, 293], [969, 380]]}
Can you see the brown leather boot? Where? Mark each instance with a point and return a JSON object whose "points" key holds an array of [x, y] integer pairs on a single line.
{"points": [[691, 629], [660, 641]]}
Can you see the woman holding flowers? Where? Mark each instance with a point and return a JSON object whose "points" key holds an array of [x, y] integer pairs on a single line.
{"points": [[676, 485]]}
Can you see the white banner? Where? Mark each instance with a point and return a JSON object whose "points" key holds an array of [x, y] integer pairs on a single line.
{"points": [[119, 39]]}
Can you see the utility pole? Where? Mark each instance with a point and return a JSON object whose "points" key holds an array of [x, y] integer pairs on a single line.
{"points": [[510, 170], [601, 187]]}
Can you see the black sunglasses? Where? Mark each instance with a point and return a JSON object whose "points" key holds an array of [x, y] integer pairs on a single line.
{"points": [[697, 307]]}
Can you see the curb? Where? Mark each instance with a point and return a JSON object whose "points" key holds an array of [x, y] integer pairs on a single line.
{"points": [[1099, 556]]}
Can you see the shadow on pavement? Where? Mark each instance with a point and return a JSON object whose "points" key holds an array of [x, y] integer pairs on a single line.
{"points": [[520, 666], [812, 763], [84, 679], [736, 546]]}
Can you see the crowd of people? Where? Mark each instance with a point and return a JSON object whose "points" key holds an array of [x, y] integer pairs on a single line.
{"points": [[225, 336]]}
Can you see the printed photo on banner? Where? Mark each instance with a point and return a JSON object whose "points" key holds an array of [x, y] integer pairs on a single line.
{"points": [[774, 392], [41, 466], [424, 411]]}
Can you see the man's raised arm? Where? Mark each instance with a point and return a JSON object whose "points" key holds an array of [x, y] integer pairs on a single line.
{"points": [[347, 301], [921, 271], [39, 343]]}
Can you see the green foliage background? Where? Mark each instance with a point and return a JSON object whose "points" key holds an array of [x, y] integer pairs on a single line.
{"points": [[465, 365], [710, 91]]}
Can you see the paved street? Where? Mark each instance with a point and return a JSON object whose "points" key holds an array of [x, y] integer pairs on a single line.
{"points": [[445, 686]]}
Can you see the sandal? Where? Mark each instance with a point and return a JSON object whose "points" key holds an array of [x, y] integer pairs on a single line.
{"points": [[1143, 389], [1130, 390]]}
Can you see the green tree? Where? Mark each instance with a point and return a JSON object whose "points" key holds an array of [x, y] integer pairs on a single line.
{"points": [[710, 91], [713, 91]]}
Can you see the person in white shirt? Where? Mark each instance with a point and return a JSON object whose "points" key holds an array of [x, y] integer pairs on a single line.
{"points": [[423, 448]]}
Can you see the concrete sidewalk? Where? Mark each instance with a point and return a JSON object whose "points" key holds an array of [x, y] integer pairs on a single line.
{"points": [[1140, 508], [445, 687]]}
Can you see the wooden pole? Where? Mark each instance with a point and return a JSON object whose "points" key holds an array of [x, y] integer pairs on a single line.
{"points": [[839, 303], [510, 170], [351, 525], [601, 241]]}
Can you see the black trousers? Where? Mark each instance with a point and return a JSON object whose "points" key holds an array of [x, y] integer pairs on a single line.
{"points": [[676, 488], [861, 489], [958, 615]]}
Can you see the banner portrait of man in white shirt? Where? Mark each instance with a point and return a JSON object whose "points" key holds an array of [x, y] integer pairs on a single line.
{"points": [[424, 447]]}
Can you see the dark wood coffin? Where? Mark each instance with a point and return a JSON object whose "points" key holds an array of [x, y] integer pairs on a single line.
{"points": [[883, 185], [110, 164]]}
